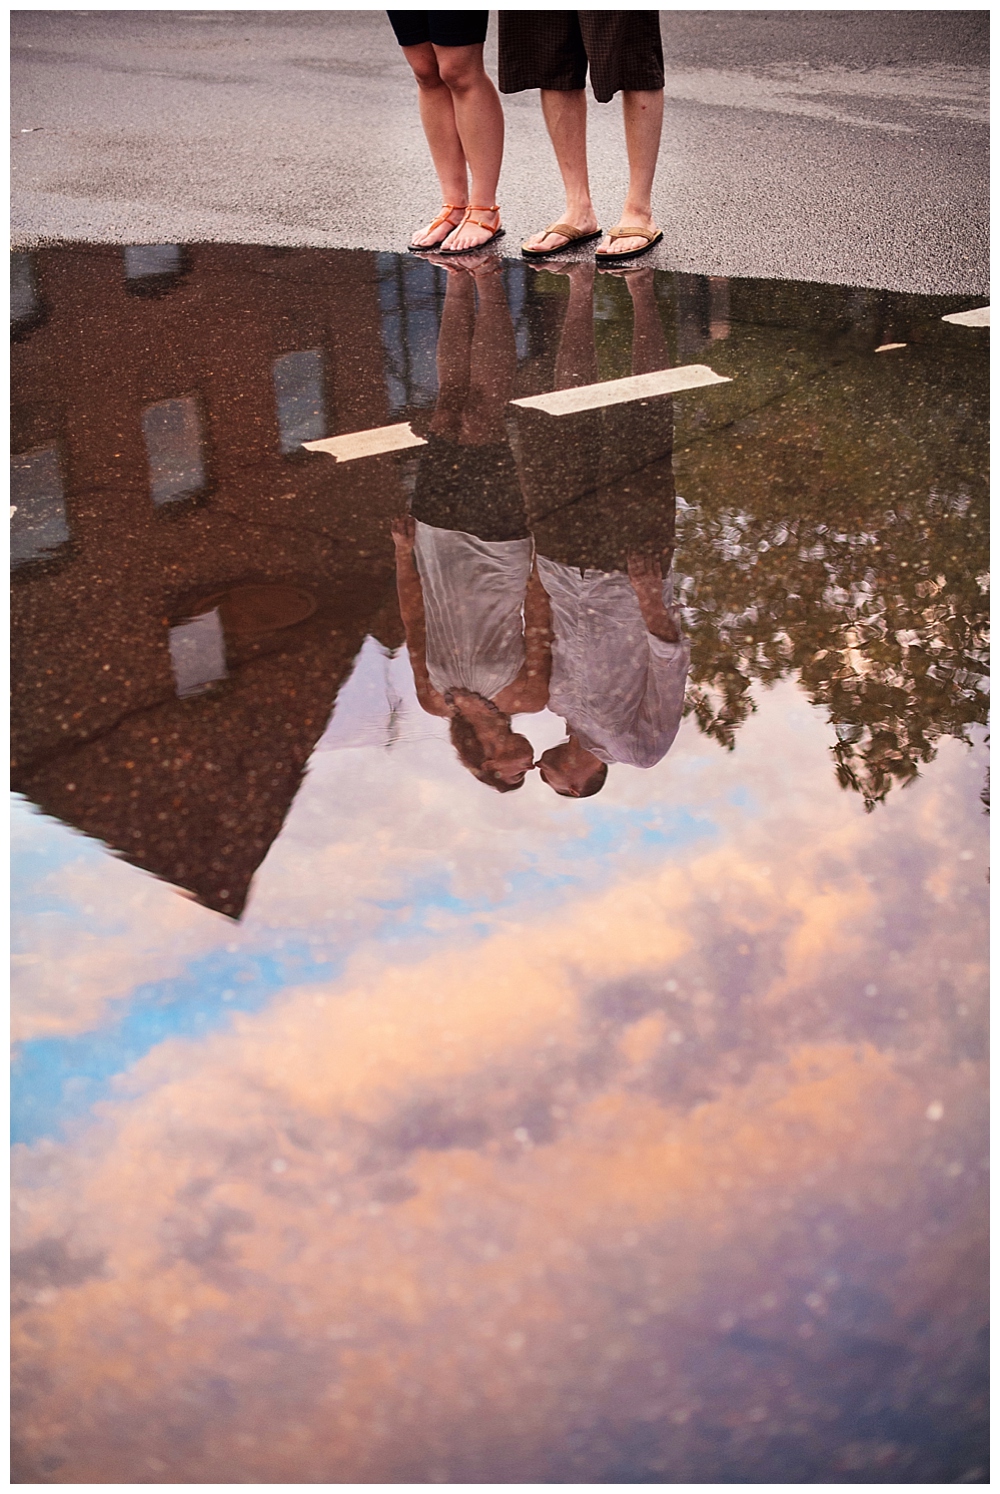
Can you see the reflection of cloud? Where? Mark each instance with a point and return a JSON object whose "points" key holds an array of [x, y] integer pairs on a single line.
{"points": [[644, 1191], [97, 929]]}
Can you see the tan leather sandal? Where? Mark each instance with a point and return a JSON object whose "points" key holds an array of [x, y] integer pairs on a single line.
{"points": [[573, 236], [631, 233]]}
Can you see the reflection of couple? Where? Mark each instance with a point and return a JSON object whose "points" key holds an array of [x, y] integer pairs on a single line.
{"points": [[553, 52], [575, 613]]}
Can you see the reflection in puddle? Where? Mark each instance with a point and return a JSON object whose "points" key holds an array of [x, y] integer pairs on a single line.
{"points": [[198, 653], [171, 429], [298, 394], [25, 305], [443, 1132], [144, 260], [37, 505]]}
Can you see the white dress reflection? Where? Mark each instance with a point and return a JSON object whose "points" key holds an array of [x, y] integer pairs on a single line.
{"points": [[475, 613], [473, 592]]}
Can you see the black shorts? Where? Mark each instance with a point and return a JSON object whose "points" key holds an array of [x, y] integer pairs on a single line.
{"points": [[471, 488], [553, 49], [445, 28]]}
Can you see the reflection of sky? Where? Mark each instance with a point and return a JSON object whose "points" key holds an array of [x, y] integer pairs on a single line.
{"points": [[58, 1077], [514, 1138]]}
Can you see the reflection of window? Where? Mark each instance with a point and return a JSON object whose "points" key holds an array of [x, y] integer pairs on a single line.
{"points": [[517, 277], [38, 506], [24, 302], [298, 394], [410, 296], [172, 429], [198, 653], [152, 259]]}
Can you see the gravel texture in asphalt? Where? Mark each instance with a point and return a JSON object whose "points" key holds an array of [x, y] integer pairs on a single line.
{"points": [[837, 146]]}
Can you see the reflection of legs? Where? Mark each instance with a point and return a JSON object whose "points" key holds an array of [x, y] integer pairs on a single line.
{"points": [[566, 120], [437, 115], [643, 113], [493, 363], [649, 343], [454, 351], [576, 360]]}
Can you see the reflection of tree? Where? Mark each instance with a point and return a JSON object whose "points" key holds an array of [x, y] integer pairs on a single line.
{"points": [[840, 534]]}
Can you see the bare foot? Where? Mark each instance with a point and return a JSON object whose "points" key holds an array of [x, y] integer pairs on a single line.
{"points": [[579, 272], [480, 263], [472, 235], [584, 222], [438, 230], [610, 248]]}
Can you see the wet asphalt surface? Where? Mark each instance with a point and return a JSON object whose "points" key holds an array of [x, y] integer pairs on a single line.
{"points": [[376, 1127], [371, 1126], [846, 147]]}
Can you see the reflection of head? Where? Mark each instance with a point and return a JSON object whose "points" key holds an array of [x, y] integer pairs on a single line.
{"points": [[573, 772], [504, 769]]}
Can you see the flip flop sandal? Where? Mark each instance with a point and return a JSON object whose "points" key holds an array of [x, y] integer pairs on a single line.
{"points": [[629, 233], [572, 235], [468, 218], [447, 208]]}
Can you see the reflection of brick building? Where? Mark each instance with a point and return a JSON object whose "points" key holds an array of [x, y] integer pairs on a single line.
{"points": [[171, 419]]}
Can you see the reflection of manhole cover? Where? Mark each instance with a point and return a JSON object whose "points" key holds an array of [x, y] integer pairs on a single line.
{"points": [[246, 611]]}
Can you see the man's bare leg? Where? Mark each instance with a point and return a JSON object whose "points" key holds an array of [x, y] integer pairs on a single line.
{"points": [[566, 121], [643, 112]]}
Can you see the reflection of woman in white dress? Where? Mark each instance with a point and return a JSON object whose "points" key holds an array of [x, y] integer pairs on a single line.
{"points": [[475, 612], [477, 631]]}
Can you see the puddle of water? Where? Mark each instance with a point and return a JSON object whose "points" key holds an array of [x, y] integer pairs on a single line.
{"points": [[565, 1062]]}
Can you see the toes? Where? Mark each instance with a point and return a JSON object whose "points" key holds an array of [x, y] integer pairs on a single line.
{"points": [[542, 241]]}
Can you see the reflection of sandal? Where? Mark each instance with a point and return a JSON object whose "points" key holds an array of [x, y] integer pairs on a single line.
{"points": [[447, 208], [467, 217], [631, 233], [573, 236]]}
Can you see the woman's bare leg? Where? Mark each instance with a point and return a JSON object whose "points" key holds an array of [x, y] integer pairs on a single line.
{"points": [[479, 123], [437, 115]]}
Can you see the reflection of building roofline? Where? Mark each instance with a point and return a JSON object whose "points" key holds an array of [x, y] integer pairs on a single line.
{"points": [[193, 790]]}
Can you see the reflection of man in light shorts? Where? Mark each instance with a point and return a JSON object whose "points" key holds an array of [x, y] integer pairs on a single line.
{"points": [[599, 493], [619, 667]]}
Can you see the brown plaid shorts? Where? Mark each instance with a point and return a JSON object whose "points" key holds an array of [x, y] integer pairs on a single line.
{"points": [[553, 48]]}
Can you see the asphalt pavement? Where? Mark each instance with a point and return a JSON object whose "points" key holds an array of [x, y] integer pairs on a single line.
{"points": [[845, 146]]}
